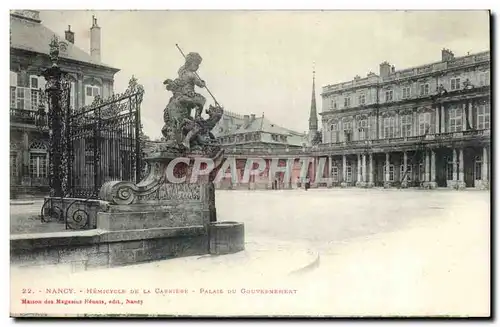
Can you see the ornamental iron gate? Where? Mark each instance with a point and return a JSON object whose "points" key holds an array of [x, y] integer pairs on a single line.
{"points": [[104, 144], [87, 146]]}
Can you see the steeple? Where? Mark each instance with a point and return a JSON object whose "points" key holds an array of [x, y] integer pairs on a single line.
{"points": [[313, 115]]}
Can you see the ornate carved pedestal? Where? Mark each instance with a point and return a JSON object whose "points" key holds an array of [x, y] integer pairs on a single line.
{"points": [[175, 218]]}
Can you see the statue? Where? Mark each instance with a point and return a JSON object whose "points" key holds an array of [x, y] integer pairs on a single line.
{"points": [[181, 129]]}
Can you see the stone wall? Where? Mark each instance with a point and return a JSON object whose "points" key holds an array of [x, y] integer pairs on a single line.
{"points": [[99, 249], [75, 208]]}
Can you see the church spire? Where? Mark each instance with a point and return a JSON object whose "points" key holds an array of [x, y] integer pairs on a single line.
{"points": [[313, 115]]}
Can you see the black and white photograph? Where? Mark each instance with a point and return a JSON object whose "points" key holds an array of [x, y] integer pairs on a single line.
{"points": [[250, 163]]}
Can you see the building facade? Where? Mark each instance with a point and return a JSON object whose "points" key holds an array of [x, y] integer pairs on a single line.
{"points": [[427, 126], [423, 126], [29, 55]]}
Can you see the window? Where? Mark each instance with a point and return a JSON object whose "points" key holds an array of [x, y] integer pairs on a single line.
{"points": [[455, 83], [456, 119], [389, 127], [13, 103], [38, 164], [90, 93], [20, 98], [424, 123], [406, 92], [348, 177], [363, 129], [333, 103], [406, 125], [347, 125], [334, 130], [389, 95], [391, 173], [483, 116], [362, 99], [347, 102], [405, 175], [335, 173], [478, 165], [424, 89], [13, 164], [25, 90], [449, 168], [484, 78]]}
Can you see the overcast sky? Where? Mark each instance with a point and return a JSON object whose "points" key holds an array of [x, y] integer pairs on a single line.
{"points": [[256, 62]]}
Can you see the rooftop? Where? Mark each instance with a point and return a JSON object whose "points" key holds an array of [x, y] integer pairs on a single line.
{"points": [[28, 33], [373, 78]]}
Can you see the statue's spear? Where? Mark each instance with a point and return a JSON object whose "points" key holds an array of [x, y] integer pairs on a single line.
{"points": [[206, 87]]}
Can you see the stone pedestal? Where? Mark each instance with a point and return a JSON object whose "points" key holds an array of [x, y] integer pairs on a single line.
{"points": [[226, 237], [429, 185], [460, 185], [160, 205]]}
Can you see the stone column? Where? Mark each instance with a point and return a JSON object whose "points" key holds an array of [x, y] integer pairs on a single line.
{"points": [[344, 171], [432, 183], [484, 169], [404, 178], [25, 161], [370, 173], [443, 120], [364, 169], [426, 169], [464, 118], [329, 174], [437, 120], [386, 179], [461, 183], [455, 170], [358, 166], [471, 122], [415, 124]]}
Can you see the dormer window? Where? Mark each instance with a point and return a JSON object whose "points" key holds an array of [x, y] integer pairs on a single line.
{"points": [[90, 93]]}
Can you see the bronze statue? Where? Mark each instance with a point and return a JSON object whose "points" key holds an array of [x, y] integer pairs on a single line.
{"points": [[181, 129]]}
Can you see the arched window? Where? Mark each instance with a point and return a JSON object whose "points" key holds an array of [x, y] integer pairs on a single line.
{"points": [[38, 159]]}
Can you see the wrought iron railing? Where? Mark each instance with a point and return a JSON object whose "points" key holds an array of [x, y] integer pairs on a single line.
{"points": [[30, 117]]}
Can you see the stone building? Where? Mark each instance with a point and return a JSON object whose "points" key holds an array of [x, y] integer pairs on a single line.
{"points": [[29, 49], [427, 125], [245, 136]]}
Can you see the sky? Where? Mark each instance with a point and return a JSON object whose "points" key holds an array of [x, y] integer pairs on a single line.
{"points": [[262, 61]]}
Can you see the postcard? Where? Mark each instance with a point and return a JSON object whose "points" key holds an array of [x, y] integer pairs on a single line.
{"points": [[171, 163]]}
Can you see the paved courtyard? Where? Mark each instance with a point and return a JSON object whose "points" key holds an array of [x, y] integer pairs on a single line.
{"points": [[389, 252]]}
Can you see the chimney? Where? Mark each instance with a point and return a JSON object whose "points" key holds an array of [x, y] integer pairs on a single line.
{"points": [[69, 35], [95, 40], [447, 55], [252, 117], [385, 69], [246, 119]]}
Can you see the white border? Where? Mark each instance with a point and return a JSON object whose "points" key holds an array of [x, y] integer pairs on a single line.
{"points": [[200, 4]]}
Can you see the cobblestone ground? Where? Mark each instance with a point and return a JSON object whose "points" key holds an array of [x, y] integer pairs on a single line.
{"points": [[382, 252], [323, 217], [25, 218]]}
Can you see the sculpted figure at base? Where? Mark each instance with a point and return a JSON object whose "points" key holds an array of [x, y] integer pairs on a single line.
{"points": [[181, 129]]}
